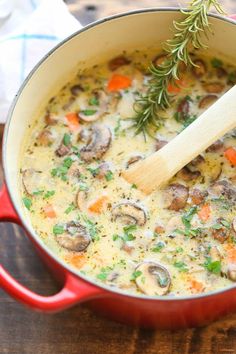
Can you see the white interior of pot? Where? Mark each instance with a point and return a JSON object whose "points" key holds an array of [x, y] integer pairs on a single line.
{"points": [[85, 49]]}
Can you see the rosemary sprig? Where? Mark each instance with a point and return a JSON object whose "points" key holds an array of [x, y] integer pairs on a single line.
{"points": [[188, 34]]}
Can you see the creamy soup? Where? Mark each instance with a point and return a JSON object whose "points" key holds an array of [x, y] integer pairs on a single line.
{"points": [[181, 239]]}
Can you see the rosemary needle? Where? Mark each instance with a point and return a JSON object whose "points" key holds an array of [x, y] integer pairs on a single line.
{"points": [[188, 34]]}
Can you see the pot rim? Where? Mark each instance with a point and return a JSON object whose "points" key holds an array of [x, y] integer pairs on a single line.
{"points": [[19, 210]]}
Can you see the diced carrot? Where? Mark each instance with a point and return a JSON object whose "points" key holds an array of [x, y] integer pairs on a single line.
{"points": [[118, 82], [174, 87], [76, 260], [49, 211], [231, 253], [98, 204], [72, 121], [204, 213], [196, 286], [230, 155]]}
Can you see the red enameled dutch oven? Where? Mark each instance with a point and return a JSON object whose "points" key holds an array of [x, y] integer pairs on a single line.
{"points": [[95, 43]]}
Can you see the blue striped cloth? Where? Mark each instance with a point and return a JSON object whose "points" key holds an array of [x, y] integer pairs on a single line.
{"points": [[34, 27]]}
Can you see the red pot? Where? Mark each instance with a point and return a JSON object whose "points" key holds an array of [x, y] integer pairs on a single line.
{"points": [[100, 40]]}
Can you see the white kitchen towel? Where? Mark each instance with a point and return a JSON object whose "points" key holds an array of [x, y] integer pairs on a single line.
{"points": [[33, 28]]}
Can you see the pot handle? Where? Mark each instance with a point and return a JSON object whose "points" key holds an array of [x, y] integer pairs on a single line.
{"points": [[73, 291]]}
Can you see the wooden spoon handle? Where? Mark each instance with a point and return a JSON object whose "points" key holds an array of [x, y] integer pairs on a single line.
{"points": [[159, 167]]}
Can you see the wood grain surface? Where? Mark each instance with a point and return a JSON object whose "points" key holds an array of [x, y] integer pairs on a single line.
{"points": [[79, 330]]}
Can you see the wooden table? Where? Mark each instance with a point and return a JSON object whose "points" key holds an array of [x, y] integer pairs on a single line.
{"points": [[79, 330]]}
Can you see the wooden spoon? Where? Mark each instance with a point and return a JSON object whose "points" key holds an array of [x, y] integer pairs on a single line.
{"points": [[158, 168]]}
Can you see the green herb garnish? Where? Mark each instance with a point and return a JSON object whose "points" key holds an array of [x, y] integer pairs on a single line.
{"points": [[70, 208], [109, 176], [58, 229], [89, 112], [182, 267], [27, 202], [158, 247], [93, 101], [66, 139], [212, 266], [135, 275], [188, 34]]}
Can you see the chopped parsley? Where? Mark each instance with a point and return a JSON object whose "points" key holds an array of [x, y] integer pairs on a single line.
{"points": [[128, 235], [105, 271], [135, 275], [92, 228], [109, 176], [27, 202], [62, 170], [187, 217], [39, 192], [212, 266], [66, 139], [181, 266], [134, 186], [189, 120], [83, 186], [58, 229], [94, 171], [70, 208], [93, 101], [89, 112], [48, 194], [158, 247]]}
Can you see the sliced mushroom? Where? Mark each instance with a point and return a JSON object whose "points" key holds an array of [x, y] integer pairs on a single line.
{"points": [[98, 144], [207, 101], [154, 279], [69, 103], [234, 224], [85, 136], [129, 213], [231, 271], [221, 72], [117, 62], [200, 68], [45, 138], [197, 196], [197, 161], [216, 146], [97, 112], [214, 253], [215, 171], [223, 188], [159, 144], [75, 238], [50, 119], [221, 234], [213, 87], [173, 224], [177, 196], [80, 200], [30, 180], [183, 108], [76, 89], [187, 175], [134, 159], [63, 150]]}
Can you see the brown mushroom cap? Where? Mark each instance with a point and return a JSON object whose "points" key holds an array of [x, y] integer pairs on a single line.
{"points": [[177, 195], [223, 188], [117, 62], [213, 87], [76, 237], [129, 213], [207, 101], [154, 279], [200, 68], [31, 180], [99, 143]]}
